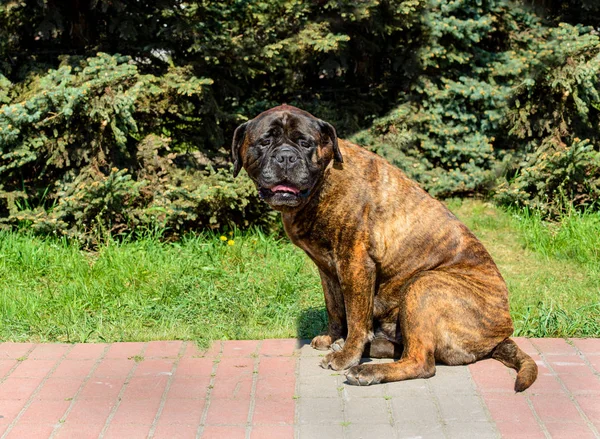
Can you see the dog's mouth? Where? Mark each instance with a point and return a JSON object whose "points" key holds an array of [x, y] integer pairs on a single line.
{"points": [[283, 192]]}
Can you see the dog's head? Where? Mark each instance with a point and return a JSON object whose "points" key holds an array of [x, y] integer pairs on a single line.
{"points": [[285, 151]]}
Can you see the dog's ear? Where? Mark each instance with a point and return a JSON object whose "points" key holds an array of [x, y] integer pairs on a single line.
{"points": [[236, 147], [327, 130]]}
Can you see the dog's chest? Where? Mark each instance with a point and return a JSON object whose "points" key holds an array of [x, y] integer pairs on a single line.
{"points": [[315, 239], [320, 253]]}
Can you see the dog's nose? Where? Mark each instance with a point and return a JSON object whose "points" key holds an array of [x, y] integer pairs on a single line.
{"points": [[286, 156]]}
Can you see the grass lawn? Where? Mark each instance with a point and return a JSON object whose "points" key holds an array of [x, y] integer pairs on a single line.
{"points": [[202, 288]]}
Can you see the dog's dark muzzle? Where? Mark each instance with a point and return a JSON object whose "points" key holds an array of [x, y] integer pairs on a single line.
{"points": [[285, 157]]}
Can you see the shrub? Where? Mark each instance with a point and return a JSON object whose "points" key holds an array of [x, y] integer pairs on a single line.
{"points": [[551, 111], [90, 148]]}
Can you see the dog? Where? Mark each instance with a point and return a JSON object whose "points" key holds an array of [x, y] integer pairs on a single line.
{"points": [[401, 275]]}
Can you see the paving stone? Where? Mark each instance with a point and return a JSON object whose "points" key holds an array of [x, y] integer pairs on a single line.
{"points": [[589, 346], [553, 346], [86, 351], [590, 404], [471, 430], [462, 408], [13, 351], [33, 368], [445, 406], [272, 432], [239, 348], [118, 430], [58, 388], [492, 376], [350, 391], [277, 366], [582, 383], [44, 412], [223, 432], [228, 411], [74, 369], [370, 431], [319, 410], [163, 349], [49, 351], [310, 366], [452, 380], [520, 430], [557, 408], [305, 350], [411, 409], [430, 429], [182, 411], [278, 347], [313, 431], [177, 431], [76, 430], [570, 430], [371, 411], [416, 387], [124, 350], [325, 386], [276, 411], [31, 431]]}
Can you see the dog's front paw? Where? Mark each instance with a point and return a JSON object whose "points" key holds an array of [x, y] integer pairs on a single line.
{"points": [[321, 342], [363, 375], [340, 360]]}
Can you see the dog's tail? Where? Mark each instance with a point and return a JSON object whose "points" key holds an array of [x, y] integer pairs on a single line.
{"points": [[511, 356]]}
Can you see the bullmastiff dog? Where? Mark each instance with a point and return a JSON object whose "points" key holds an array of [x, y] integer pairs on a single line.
{"points": [[401, 275]]}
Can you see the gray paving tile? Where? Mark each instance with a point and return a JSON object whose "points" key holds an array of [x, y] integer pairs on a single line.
{"points": [[462, 408], [415, 409], [452, 380], [367, 411], [365, 431], [311, 431], [472, 430], [310, 366], [320, 386], [350, 391], [320, 410], [306, 351], [407, 388], [421, 430]]}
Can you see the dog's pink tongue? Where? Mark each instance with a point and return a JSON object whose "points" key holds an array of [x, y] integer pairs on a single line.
{"points": [[284, 188]]}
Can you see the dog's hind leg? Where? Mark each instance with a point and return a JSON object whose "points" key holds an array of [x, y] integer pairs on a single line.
{"points": [[408, 367], [382, 348], [442, 317]]}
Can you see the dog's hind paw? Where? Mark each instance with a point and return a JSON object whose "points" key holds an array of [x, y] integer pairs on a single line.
{"points": [[321, 342]]}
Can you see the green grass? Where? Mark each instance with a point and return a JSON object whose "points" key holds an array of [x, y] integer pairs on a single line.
{"points": [[202, 288]]}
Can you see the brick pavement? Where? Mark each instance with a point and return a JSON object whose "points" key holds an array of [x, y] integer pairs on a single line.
{"points": [[275, 389]]}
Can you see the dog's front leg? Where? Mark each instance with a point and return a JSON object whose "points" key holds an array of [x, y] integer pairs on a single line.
{"points": [[357, 281], [336, 313]]}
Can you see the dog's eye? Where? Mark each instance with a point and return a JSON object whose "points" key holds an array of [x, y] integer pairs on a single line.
{"points": [[304, 143], [264, 142]]}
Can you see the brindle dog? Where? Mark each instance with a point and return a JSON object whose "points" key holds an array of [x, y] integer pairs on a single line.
{"points": [[400, 273]]}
